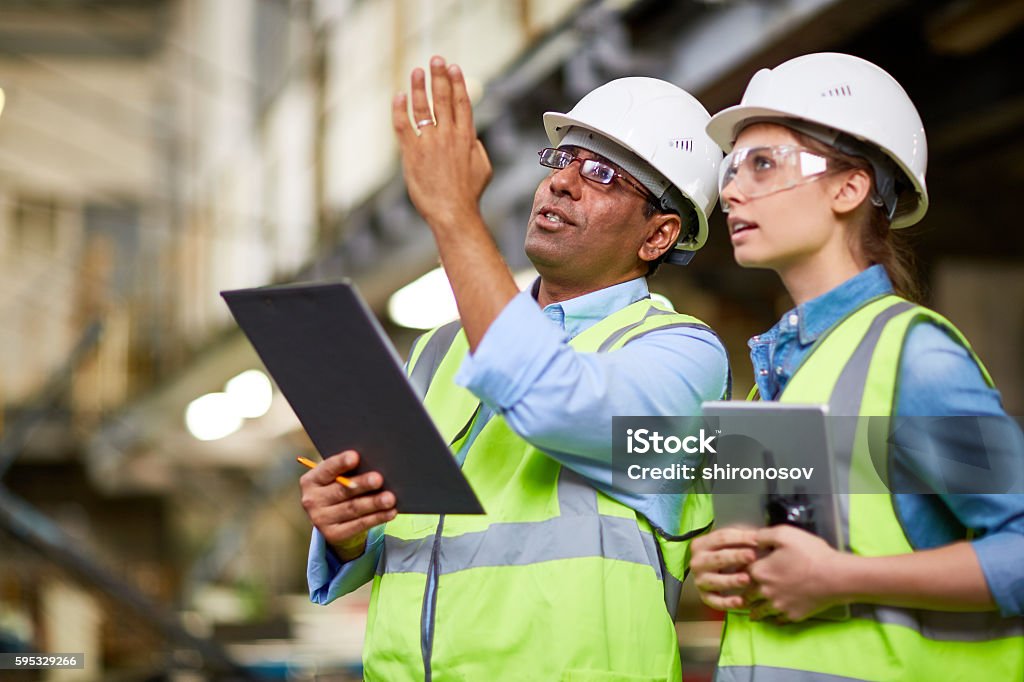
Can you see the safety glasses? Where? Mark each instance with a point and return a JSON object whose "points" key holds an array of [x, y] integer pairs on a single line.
{"points": [[591, 169], [760, 171]]}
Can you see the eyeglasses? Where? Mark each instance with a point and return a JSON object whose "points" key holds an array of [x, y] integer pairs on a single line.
{"points": [[591, 169], [760, 171]]}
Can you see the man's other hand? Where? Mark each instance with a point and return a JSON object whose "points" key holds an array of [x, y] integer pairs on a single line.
{"points": [[344, 515]]}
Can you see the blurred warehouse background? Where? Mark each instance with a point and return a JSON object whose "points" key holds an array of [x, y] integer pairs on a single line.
{"points": [[155, 152]]}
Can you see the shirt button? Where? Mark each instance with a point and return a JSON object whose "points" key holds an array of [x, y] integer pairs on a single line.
{"points": [[778, 370], [793, 319]]}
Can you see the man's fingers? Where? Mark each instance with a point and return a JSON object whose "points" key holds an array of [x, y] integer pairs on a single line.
{"points": [[462, 108], [321, 488], [349, 529], [441, 88], [326, 471], [365, 504], [361, 485], [420, 105], [725, 537], [327, 513]]}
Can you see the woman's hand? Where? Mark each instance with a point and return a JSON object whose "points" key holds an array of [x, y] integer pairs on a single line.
{"points": [[718, 562], [796, 577]]}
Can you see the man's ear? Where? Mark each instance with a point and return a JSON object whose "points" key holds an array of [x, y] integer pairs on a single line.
{"points": [[849, 190], [663, 233]]}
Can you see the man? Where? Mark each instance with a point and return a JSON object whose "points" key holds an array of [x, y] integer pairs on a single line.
{"points": [[565, 577]]}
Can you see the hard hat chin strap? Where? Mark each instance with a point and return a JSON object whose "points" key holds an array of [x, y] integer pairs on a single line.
{"points": [[886, 191]]}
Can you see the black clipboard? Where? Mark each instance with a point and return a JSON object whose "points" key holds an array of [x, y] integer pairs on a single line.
{"points": [[337, 368]]}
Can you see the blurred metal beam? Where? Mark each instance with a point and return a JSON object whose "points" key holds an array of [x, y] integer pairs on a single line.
{"points": [[26, 525], [83, 29], [21, 429], [968, 27], [231, 533], [718, 53]]}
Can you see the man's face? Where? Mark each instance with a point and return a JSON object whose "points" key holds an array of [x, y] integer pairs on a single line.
{"points": [[585, 233]]}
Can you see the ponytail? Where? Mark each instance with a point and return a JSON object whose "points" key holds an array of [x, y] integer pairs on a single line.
{"points": [[877, 243]]}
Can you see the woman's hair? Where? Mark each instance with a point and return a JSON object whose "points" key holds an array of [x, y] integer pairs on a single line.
{"points": [[873, 239]]}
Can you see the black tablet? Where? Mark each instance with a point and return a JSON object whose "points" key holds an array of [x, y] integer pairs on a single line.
{"points": [[775, 464], [337, 368]]}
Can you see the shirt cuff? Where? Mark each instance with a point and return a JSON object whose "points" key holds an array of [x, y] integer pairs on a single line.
{"points": [[514, 352], [328, 578], [1001, 555]]}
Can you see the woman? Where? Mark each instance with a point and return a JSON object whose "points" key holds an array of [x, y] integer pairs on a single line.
{"points": [[827, 157]]}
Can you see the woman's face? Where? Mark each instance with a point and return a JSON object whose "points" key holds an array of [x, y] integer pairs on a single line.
{"points": [[784, 229]]}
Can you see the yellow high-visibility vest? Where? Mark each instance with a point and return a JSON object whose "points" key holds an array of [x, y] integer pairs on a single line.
{"points": [[853, 369], [557, 581]]}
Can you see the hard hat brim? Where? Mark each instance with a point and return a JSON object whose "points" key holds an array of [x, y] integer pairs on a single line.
{"points": [[722, 126]]}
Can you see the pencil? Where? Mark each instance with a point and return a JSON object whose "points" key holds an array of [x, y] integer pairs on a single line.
{"points": [[347, 482]]}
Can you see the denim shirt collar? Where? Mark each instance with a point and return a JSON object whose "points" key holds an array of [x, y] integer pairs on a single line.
{"points": [[815, 317], [576, 315]]}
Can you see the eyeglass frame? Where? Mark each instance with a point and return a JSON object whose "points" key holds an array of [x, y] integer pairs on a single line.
{"points": [[591, 163], [804, 179]]}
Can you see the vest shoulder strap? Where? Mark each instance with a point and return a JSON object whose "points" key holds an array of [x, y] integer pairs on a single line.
{"points": [[427, 352], [921, 314], [830, 358]]}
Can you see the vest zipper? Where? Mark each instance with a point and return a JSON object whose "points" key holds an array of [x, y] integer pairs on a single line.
{"points": [[428, 613]]}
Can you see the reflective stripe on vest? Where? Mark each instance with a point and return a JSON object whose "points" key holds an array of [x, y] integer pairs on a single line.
{"points": [[763, 673], [854, 368], [546, 531], [578, 532]]}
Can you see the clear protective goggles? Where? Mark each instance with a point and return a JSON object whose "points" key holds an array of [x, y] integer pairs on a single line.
{"points": [[591, 169], [760, 171]]}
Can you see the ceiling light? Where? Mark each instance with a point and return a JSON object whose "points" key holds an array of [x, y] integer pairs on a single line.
{"points": [[212, 416], [251, 393]]}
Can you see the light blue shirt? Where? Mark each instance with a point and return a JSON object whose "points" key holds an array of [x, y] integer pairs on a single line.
{"points": [[562, 401], [938, 377]]}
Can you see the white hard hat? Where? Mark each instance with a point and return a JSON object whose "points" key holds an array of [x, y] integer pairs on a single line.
{"points": [[848, 95], [664, 126]]}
